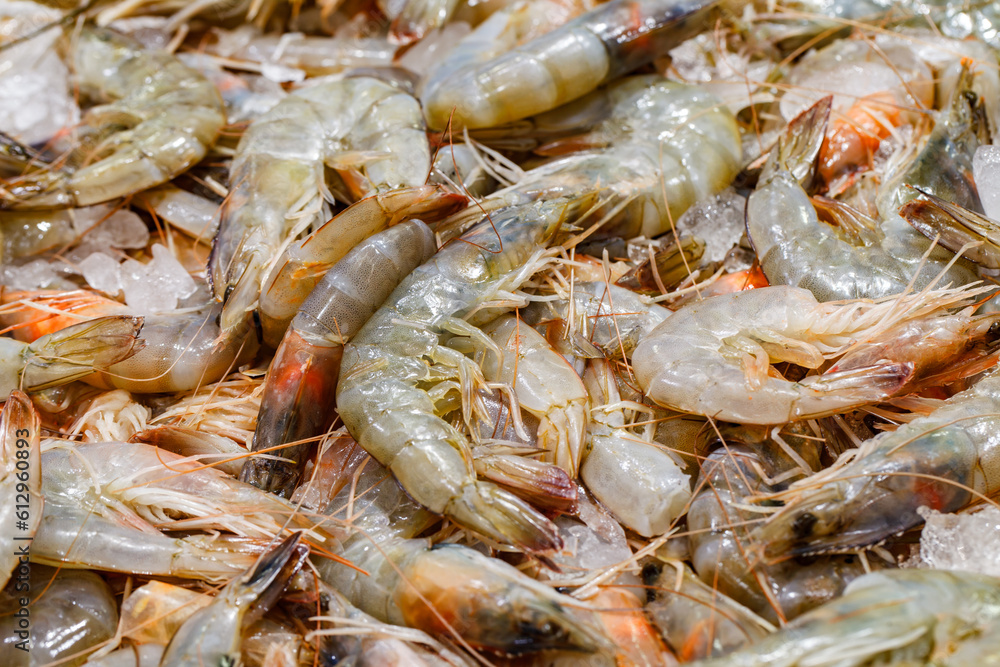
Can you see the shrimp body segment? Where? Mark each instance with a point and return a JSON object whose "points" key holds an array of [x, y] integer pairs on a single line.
{"points": [[171, 112], [20, 485], [394, 371]]}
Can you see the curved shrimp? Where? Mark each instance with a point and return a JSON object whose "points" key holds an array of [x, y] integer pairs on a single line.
{"points": [[171, 113], [940, 461], [796, 248], [714, 357], [396, 369], [545, 385], [897, 616], [369, 133], [299, 394], [213, 634], [21, 481], [565, 64], [643, 132]]}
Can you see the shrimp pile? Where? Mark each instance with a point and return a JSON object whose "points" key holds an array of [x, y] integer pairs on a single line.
{"points": [[615, 333]]}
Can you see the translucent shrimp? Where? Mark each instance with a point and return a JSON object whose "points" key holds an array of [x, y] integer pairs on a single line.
{"points": [[642, 132], [564, 64], [299, 395], [892, 617], [303, 263], [544, 384], [940, 461], [212, 636], [447, 588], [102, 501], [719, 523], [170, 113], [796, 248], [636, 480], [369, 133], [396, 372], [70, 614], [68, 354], [714, 357], [21, 481]]}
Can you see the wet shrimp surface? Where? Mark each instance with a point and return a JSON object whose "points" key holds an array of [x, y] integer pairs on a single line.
{"points": [[526, 333]]}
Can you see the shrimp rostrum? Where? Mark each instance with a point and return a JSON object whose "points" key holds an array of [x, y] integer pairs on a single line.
{"points": [[171, 115]]}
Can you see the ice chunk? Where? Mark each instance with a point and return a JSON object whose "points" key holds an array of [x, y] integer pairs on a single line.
{"points": [[38, 274], [157, 286], [102, 228], [718, 220], [969, 542], [592, 541], [196, 215], [35, 97], [102, 273], [986, 171]]}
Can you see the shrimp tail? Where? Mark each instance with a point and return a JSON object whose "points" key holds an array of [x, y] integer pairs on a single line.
{"points": [[501, 516], [956, 228], [267, 580], [800, 144], [298, 404], [865, 385], [543, 484], [77, 351]]}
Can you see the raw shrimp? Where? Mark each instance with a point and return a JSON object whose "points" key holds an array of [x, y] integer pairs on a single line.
{"points": [[636, 480], [21, 481], [370, 134], [714, 357], [636, 639], [940, 461], [544, 384], [70, 612], [303, 263], [170, 113], [68, 354], [447, 588], [102, 500], [299, 395], [396, 370], [212, 636], [564, 64], [892, 617], [642, 132], [719, 523], [796, 248]]}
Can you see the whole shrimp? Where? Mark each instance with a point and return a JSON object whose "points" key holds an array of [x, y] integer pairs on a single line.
{"points": [[641, 132], [714, 357], [447, 588], [785, 229], [212, 636], [940, 461], [565, 64], [170, 113], [369, 133], [396, 370], [892, 617], [299, 394]]}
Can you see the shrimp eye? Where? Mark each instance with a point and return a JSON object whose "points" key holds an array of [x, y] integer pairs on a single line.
{"points": [[993, 333], [803, 524]]}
